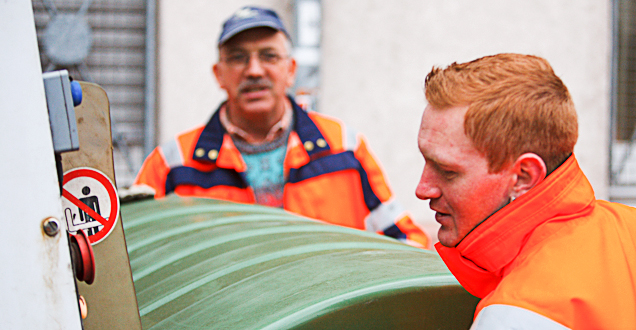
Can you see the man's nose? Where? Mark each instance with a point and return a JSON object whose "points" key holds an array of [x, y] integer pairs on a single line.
{"points": [[255, 67], [426, 188]]}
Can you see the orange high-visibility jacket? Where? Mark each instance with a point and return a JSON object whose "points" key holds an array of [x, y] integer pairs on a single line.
{"points": [[330, 174], [554, 258]]}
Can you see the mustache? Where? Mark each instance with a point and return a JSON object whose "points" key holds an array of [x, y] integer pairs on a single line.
{"points": [[254, 83]]}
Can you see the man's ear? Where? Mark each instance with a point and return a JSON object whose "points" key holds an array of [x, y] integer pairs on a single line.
{"points": [[217, 74], [291, 74], [530, 170]]}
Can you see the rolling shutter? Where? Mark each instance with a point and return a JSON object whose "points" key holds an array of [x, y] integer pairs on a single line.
{"points": [[116, 61]]}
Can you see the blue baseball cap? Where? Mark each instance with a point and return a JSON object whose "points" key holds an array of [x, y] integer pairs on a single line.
{"points": [[248, 18]]}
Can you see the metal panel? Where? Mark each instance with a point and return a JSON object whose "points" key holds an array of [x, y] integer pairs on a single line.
{"points": [[111, 297], [206, 264]]}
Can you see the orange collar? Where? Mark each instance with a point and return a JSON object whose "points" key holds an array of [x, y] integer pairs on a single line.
{"points": [[306, 142], [479, 261], [276, 131]]}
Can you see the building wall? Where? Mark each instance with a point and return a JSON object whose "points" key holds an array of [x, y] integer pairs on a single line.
{"points": [[375, 55]]}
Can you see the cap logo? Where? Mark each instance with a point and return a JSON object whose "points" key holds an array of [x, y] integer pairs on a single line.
{"points": [[245, 13]]}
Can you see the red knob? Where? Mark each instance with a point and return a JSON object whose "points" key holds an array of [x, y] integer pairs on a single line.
{"points": [[83, 257]]}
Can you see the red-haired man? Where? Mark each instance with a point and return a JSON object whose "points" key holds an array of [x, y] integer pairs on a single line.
{"points": [[520, 226]]}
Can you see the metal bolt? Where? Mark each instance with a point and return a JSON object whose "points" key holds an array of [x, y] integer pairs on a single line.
{"points": [[51, 226]]}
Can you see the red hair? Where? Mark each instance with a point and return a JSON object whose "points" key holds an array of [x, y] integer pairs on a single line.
{"points": [[516, 104]]}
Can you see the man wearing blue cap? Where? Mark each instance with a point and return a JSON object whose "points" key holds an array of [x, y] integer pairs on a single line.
{"points": [[261, 147]]}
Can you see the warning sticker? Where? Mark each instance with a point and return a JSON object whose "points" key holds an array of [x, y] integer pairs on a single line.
{"points": [[90, 203]]}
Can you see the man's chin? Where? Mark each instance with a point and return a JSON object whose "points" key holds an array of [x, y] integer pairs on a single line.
{"points": [[257, 106], [447, 238]]}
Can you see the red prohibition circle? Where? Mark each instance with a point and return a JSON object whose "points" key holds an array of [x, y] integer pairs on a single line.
{"points": [[112, 195]]}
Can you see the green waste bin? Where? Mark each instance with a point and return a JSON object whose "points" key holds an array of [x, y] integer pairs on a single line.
{"points": [[207, 264]]}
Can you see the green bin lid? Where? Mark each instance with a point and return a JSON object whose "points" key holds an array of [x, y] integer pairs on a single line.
{"points": [[208, 264]]}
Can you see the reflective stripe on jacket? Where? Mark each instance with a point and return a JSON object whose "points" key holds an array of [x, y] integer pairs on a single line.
{"points": [[556, 252], [330, 174]]}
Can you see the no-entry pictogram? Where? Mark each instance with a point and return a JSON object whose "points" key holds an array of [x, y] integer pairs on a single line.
{"points": [[90, 203]]}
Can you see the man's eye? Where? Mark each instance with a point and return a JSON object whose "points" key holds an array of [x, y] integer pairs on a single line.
{"points": [[237, 58], [270, 57], [448, 174]]}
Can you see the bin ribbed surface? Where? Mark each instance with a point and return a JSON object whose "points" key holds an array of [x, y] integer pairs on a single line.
{"points": [[207, 264]]}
